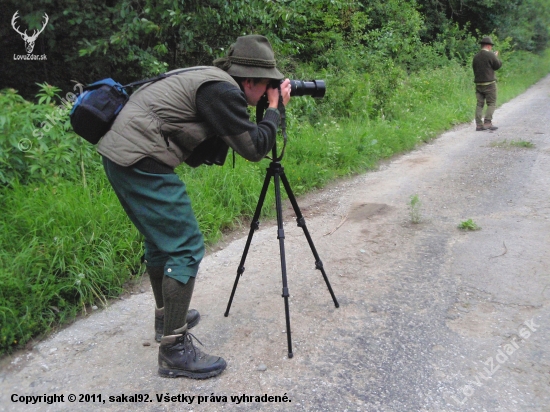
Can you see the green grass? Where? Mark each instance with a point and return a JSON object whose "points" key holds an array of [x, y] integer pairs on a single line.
{"points": [[468, 225], [61, 248], [513, 143], [64, 246], [415, 206]]}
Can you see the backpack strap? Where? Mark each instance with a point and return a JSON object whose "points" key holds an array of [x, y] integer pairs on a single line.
{"points": [[160, 77]]}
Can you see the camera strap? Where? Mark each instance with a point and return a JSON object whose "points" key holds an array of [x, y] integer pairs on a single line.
{"points": [[282, 111], [260, 109]]}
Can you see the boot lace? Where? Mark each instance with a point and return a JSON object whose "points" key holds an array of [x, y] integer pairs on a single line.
{"points": [[189, 342]]}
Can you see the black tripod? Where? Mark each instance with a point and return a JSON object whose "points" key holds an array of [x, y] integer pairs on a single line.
{"points": [[276, 171]]}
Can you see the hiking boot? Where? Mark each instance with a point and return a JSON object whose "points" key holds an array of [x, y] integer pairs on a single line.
{"points": [[480, 128], [193, 317], [178, 356], [488, 125]]}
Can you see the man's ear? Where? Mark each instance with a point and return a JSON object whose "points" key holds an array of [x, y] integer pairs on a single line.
{"points": [[247, 83]]}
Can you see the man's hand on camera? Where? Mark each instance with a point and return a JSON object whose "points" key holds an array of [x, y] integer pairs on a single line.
{"points": [[273, 94]]}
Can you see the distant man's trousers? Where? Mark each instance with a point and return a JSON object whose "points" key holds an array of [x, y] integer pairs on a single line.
{"points": [[486, 93]]}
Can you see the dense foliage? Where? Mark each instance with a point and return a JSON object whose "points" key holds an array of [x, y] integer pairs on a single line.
{"points": [[131, 39], [398, 72]]}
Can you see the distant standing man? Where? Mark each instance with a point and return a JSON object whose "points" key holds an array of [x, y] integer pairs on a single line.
{"points": [[484, 64]]}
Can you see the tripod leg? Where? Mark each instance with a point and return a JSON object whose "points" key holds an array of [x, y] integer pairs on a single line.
{"points": [[302, 223], [254, 225], [281, 237]]}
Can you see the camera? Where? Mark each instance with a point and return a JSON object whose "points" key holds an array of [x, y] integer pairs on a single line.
{"points": [[209, 152], [313, 88]]}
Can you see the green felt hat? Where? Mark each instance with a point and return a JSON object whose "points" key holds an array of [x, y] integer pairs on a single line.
{"points": [[250, 56]]}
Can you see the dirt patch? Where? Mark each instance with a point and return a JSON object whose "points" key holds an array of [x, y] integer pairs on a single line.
{"points": [[365, 211]]}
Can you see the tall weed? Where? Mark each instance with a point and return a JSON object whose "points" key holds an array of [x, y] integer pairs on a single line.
{"points": [[38, 145]]}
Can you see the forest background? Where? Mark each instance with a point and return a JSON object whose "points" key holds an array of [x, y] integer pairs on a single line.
{"points": [[398, 73]]}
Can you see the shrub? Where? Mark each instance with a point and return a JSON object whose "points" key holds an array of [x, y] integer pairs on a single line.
{"points": [[39, 145]]}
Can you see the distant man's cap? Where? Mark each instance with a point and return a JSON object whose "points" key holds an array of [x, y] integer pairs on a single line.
{"points": [[250, 56], [486, 40]]}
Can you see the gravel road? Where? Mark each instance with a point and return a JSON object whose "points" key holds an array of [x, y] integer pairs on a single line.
{"points": [[431, 317]]}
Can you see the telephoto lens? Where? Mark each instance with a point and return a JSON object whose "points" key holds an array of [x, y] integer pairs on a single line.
{"points": [[313, 88]]}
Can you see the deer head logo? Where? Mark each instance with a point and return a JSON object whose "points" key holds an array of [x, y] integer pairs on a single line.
{"points": [[29, 40]]}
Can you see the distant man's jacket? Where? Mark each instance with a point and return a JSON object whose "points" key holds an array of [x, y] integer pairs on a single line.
{"points": [[484, 64]]}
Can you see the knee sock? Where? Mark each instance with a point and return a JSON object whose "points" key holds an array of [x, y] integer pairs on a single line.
{"points": [[156, 274], [177, 297]]}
